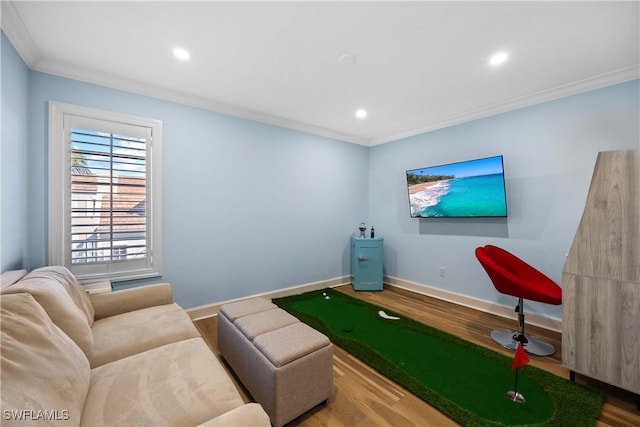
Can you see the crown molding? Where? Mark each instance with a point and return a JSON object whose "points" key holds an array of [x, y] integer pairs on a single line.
{"points": [[141, 88], [15, 30], [145, 89], [597, 82], [17, 33]]}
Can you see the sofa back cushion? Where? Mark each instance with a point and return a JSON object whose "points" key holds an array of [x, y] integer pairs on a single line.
{"points": [[64, 277], [45, 375], [10, 277], [56, 290]]}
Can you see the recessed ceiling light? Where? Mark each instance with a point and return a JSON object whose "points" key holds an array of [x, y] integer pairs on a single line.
{"points": [[347, 58], [361, 113], [498, 58], [181, 54]]}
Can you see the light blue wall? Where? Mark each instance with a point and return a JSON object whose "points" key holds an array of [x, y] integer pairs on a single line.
{"points": [[248, 207], [15, 164], [549, 153]]}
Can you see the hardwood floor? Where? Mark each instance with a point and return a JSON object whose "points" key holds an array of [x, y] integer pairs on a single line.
{"points": [[363, 397]]}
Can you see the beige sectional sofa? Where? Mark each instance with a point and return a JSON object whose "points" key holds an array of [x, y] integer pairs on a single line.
{"points": [[125, 358]]}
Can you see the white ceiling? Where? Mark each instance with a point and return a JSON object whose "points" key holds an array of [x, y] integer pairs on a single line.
{"points": [[419, 65]]}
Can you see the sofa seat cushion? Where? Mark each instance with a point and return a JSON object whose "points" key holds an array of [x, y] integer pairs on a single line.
{"points": [[259, 323], [246, 307], [44, 373], [177, 384], [129, 333]]}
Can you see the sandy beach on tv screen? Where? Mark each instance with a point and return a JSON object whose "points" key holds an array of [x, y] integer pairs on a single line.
{"points": [[415, 188]]}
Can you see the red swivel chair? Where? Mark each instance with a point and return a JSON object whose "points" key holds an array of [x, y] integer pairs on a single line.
{"points": [[512, 276]]}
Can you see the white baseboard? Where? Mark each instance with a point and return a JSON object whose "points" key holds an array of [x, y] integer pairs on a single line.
{"points": [[212, 309], [550, 323]]}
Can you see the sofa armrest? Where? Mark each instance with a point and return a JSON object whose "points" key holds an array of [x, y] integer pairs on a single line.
{"points": [[248, 415], [111, 303]]}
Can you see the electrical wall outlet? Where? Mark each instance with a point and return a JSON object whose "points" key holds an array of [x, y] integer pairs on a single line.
{"points": [[443, 272]]}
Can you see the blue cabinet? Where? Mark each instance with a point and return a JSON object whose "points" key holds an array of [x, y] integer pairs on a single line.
{"points": [[366, 264]]}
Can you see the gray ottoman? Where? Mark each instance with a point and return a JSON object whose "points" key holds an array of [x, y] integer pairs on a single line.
{"points": [[286, 365]]}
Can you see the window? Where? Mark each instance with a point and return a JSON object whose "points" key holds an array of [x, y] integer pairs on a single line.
{"points": [[105, 196]]}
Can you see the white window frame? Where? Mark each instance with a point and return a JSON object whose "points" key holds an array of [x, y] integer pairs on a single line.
{"points": [[60, 193]]}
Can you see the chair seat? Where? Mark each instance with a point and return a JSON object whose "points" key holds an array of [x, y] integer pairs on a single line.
{"points": [[512, 276]]}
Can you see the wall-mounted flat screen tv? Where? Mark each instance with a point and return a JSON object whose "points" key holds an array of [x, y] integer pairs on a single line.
{"points": [[472, 188]]}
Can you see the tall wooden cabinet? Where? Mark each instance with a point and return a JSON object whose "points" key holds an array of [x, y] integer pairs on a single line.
{"points": [[601, 277]]}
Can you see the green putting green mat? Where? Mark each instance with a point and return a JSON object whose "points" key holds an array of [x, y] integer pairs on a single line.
{"points": [[465, 381]]}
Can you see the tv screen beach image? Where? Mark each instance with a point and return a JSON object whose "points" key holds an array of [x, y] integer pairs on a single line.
{"points": [[473, 188]]}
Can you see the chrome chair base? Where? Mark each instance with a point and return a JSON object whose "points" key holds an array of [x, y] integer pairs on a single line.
{"points": [[534, 345]]}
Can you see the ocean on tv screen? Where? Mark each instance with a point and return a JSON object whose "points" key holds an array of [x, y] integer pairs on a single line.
{"points": [[481, 196]]}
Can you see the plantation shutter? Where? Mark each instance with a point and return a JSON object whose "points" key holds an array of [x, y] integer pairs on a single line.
{"points": [[107, 204], [108, 193]]}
